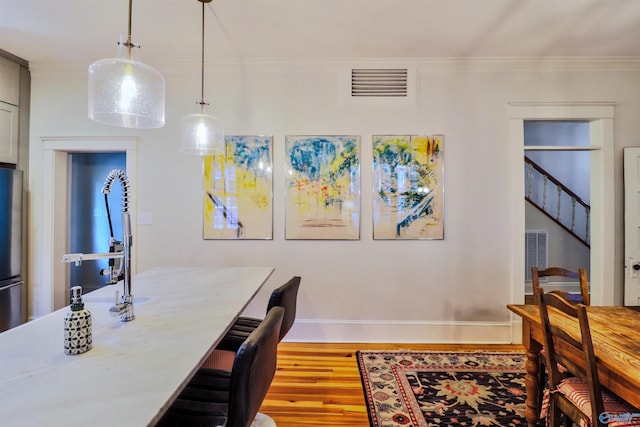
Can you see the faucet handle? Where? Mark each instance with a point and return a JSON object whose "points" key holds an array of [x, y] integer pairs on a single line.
{"points": [[118, 308]]}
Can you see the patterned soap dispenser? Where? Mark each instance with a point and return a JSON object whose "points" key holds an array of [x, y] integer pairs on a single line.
{"points": [[77, 325]]}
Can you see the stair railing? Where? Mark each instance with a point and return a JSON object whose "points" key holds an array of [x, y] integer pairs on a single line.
{"points": [[557, 201]]}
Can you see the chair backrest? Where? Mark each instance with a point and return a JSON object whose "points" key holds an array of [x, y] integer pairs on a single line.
{"points": [[286, 296], [253, 370], [581, 275], [568, 326]]}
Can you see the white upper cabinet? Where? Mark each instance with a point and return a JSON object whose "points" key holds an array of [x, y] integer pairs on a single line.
{"points": [[8, 133], [9, 99], [9, 81]]}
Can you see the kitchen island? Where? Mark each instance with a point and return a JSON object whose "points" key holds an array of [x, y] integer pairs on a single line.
{"points": [[135, 369]]}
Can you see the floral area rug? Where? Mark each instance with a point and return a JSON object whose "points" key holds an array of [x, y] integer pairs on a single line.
{"points": [[423, 389]]}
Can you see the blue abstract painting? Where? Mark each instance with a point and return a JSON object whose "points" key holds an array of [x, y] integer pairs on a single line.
{"points": [[322, 187]]}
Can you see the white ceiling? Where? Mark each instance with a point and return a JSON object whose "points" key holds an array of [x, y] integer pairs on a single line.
{"points": [[49, 32]]}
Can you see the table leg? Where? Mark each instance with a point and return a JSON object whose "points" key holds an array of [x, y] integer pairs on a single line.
{"points": [[532, 366]]}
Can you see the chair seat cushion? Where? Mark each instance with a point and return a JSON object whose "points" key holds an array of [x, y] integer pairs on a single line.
{"points": [[203, 402], [619, 411], [215, 379], [200, 408], [208, 385]]}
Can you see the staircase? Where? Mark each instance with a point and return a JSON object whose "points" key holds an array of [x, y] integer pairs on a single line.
{"points": [[557, 201]]}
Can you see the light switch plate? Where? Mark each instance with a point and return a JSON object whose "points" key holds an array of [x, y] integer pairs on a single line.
{"points": [[145, 218]]}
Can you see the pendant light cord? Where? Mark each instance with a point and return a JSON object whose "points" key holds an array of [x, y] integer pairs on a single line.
{"points": [[202, 103], [128, 43], [130, 14]]}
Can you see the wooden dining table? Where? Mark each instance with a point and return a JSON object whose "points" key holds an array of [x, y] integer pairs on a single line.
{"points": [[616, 340]]}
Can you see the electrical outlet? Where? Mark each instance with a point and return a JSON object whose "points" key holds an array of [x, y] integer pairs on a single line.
{"points": [[145, 218]]}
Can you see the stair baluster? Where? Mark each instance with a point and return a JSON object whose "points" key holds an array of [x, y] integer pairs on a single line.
{"points": [[538, 180]]}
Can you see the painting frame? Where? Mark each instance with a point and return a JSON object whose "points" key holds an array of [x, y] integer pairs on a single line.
{"points": [[408, 187], [238, 190], [322, 187]]}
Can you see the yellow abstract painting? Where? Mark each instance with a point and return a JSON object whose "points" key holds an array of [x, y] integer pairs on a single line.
{"points": [[408, 187], [238, 196]]}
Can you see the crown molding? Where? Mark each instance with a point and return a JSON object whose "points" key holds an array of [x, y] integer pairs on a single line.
{"points": [[421, 65]]}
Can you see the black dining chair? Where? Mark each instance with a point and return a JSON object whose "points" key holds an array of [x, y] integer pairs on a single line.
{"points": [[579, 397], [215, 397], [285, 296]]}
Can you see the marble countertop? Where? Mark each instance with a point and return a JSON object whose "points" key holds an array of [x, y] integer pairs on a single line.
{"points": [[134, 369]]}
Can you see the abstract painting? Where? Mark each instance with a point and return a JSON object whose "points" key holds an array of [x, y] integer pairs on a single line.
{"points": [[322, 187], [408, 187], [238, 199]]}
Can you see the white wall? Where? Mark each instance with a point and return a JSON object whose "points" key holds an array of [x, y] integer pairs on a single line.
{"points": [[455, 289]]}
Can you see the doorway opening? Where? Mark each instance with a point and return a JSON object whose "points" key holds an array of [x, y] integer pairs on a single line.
{"points": [[92, 224], [557, 193], [599, 116], [56, 155]]}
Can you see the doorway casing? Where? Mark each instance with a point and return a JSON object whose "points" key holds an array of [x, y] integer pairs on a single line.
{"points": [[600, 116], [54, 292]]}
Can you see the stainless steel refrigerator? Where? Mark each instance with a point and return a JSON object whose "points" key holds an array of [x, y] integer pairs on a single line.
{"points": [[11, 305]]}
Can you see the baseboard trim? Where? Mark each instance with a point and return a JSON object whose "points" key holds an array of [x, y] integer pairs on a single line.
{"points": [[361, 331]]}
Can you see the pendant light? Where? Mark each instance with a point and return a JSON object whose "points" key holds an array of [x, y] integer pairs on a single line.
{"points": [[125, 92], [202, 134]]}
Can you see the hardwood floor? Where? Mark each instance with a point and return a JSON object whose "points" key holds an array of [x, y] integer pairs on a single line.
{"points": [[319, 384]]}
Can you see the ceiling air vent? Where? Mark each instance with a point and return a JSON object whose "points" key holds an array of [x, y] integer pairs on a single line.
{"points": [[375, 82]]}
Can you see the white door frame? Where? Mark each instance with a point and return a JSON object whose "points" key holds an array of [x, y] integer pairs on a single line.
{"points": [[600, 115], [631, 160], [55, 175]]}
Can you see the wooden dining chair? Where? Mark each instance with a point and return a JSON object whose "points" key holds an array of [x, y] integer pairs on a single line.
{"points": [[285, 296], [580, 397], [582, 298], [215, 397], [580, 275]]}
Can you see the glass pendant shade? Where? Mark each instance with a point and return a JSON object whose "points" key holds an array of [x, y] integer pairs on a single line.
{"points": [[202, 134], [125, 92]]}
